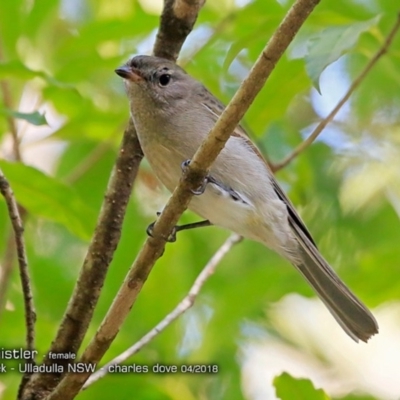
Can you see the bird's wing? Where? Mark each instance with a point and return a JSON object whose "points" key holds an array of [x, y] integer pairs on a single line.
{"points": [[239, 132]]}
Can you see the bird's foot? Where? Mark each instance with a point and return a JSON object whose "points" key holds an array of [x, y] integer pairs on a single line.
{"points": [[172, 236], [201, 189]]}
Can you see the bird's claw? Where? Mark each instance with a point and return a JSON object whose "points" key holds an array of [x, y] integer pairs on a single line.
{"points": [[185, 165], [201, 189], [171, 238]]}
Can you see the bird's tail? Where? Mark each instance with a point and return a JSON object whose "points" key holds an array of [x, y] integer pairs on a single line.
{"points": [[352, 315]]}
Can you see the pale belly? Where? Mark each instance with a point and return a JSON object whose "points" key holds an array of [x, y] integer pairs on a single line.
{"points": [[215, 204]]}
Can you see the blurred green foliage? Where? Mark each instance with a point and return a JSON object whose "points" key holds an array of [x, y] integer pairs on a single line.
{"points": [[288, 388], [58, 57]]}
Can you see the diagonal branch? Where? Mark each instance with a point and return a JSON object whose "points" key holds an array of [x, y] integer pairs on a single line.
{"points": [[206, 154], [181, 308], [101, 249], [356, 83]]}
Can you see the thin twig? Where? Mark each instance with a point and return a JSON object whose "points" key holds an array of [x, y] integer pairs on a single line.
{"points": [[181, 308], [321, 126], [15, 218], [6, 269], [206, 154], [30, 315]]}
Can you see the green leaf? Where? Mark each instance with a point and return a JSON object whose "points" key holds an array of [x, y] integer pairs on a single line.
{"points": [[44, 196], [11, 17], [34, 118], [327, 46], [289, 388], [16, 69]]}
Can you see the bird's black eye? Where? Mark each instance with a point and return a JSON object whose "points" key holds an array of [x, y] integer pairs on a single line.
{"points": [[164, 79]]}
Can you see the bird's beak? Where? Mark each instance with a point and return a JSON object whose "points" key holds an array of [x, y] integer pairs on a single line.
{"points": [[128, 73]]}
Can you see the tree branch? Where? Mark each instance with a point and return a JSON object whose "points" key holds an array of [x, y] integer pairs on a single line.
{"points": [[101, 249], [176, 22], [206, 154], [186, 303], [18, 248], [6, 270], [15, 218], [321, 126]]}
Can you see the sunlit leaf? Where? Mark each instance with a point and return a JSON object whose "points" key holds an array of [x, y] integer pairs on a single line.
{"points": [[327, 46], [289, 388], [44, 196], [16, 69]]}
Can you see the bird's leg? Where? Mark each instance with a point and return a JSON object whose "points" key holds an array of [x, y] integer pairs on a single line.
{"points": [[172, 236], [193, 225]]}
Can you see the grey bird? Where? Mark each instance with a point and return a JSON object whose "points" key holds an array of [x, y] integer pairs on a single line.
{"points": [[173, 113]]}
